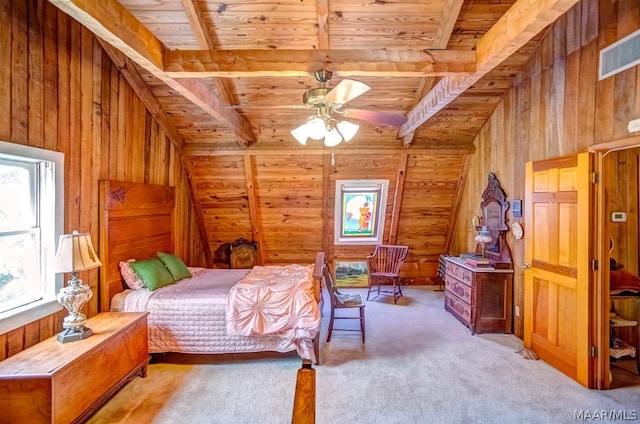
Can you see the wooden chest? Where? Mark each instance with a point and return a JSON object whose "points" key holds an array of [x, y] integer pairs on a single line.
{"points": [[479, 298], [52, 382]]}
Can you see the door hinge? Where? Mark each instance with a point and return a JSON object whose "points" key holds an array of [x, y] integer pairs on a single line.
{"points": [[594, 177], [593, 351], [594, 264]]}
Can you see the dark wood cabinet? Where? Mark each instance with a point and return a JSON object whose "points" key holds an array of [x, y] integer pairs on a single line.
{"points": [[479, 298]]}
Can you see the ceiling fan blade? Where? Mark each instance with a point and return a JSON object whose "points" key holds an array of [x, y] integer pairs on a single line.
{"points": [[383, 118], [346, 90]]}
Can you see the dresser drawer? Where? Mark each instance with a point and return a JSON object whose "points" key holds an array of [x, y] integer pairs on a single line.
{"points": [[457, 307], [462, 274], [456, 287]]}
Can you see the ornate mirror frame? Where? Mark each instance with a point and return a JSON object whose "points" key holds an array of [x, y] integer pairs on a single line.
{"points": [[494, 216]]}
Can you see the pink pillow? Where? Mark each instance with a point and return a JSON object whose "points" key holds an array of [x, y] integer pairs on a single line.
{"points": [[130, 276]]}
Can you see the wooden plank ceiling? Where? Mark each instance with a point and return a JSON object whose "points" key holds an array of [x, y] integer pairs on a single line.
{"points": [[230, 75]]}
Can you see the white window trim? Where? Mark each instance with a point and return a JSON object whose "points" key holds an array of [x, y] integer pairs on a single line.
{"points": [[18, 317], [355, 185]]}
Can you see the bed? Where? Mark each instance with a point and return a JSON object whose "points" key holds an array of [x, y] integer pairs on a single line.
{"points": [[190, 316]]}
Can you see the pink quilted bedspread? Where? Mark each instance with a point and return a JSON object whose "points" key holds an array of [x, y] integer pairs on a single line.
{"points": [[276, 300]]}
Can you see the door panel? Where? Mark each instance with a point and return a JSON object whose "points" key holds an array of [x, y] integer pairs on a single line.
{"points": [[557, 285]]}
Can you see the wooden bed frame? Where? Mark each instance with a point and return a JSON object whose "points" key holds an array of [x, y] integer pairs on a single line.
{"points": [[136, 222]]}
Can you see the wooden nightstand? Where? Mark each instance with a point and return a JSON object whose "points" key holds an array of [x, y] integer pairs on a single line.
{"points": [[53, 382]]}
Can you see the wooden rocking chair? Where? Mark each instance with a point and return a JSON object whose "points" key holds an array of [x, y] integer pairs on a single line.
{"points": [[384, 265]]}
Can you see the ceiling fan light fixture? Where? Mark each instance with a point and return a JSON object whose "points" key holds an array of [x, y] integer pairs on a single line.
{"points": [[301, 134], [332, 138], [316, 128], [348, 130]]}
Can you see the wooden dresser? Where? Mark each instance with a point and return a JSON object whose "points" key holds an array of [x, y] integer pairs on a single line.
{"points": [[481, 299], [52, 382]]}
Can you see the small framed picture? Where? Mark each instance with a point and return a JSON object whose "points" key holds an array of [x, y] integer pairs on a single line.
{"points": [[351, 274]]}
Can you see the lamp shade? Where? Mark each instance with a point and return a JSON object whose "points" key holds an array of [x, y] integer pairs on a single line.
{"points": [[332, 138], [75, 253], [484, 236], [301, 134], [316, 128], [348, 130]]}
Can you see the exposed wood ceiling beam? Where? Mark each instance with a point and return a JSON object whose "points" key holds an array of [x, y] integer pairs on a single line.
{"points": [[523, 21], [213, 149], [347, 63], [447, 23], [110, 21], [205, 41], [198, 26], [137, 83], [441, 41]]}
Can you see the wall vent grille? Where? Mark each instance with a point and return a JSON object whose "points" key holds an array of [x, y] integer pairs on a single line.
{"points": [[621, 55]]}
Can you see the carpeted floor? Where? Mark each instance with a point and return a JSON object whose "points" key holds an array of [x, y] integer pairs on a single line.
{"points": [[419, 365]]}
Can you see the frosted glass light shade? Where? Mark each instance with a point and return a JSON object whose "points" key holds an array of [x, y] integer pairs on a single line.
{"points": [[333, 138], [301, 134], [348, 130], [316, 128]]}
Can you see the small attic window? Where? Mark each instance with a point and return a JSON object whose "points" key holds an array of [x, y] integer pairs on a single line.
{"points": [[360, 210]]}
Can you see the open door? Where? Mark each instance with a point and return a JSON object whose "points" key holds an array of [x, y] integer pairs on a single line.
{"points": [[558, 257]]}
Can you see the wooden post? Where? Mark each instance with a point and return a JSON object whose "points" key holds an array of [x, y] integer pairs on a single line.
{"points": [[304, 403]]}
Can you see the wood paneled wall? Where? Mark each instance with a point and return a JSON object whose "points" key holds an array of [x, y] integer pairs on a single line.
{"points": [[285, 201], [621, 195], [60, 91], [556, 107]]}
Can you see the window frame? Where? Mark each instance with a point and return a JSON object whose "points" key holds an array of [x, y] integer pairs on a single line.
{"points": [[33, 311], [378, 190]]}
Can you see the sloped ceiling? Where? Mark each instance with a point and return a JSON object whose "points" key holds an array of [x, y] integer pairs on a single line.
{"points": [[230, 75]]}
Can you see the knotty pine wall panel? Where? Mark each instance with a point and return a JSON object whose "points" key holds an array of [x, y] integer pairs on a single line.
{"points": [[621, 195], [556, 107], [286, 202], [289, 206], [60, 91]]}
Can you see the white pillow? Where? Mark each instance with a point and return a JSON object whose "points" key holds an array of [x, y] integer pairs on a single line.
{"points": [[130, 276]]}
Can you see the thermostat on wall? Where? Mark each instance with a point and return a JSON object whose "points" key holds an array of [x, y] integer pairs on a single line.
{"points": [[618, 217]]}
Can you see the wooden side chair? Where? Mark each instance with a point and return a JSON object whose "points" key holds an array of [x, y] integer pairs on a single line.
{"points": [[342, 301], [384, 265]]}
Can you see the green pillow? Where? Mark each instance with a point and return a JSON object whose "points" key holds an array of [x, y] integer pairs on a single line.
{"points": [[174, 264], [152, 273]]}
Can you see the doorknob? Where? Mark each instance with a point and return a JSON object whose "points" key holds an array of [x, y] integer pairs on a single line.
{"points": [[526, 266]]}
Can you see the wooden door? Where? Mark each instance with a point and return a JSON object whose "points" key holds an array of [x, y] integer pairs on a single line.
{"points": [[558, 233]]}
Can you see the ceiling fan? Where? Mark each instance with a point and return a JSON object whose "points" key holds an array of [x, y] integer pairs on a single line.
{"points": [[345, 91], [329, 102]]}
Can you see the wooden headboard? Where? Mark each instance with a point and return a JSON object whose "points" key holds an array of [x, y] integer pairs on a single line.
{"points": [[136, 222]]}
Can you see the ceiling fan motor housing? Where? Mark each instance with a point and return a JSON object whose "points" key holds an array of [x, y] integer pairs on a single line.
{"points": [[314, 97]]}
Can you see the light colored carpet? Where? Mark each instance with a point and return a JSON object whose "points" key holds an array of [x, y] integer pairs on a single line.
{"points": [[419, 365]]}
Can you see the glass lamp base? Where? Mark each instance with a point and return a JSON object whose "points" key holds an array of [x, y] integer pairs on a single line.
{"points": [[74, 334]]}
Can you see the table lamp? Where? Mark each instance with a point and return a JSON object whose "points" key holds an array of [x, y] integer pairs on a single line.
{"points": [[75, 253], [483, 237]]}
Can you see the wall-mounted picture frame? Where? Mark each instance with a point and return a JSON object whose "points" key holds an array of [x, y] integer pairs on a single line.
{"points": [[360, 207], [352, 274]]}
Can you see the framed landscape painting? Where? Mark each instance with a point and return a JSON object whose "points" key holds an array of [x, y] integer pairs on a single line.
{"points": [[351, 274]]}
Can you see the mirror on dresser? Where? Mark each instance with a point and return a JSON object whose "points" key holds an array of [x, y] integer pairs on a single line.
{"points": [[494, 208], [479, 288]]}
